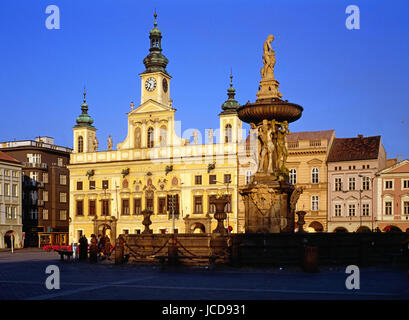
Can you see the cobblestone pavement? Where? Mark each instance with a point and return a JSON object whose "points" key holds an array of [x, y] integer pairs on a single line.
{"points": [[22, 276]]}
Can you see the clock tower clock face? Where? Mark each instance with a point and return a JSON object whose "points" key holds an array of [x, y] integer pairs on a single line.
{"points": [[150, 84], [165, 85]]}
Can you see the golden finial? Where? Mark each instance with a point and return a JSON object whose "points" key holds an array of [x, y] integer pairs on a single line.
{"points": [[85, 93], [155, 15]]}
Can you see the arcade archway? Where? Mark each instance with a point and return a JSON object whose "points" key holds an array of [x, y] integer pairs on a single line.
{"points": [[363, 229], [340, 230], [317, 226], [9, 239]]}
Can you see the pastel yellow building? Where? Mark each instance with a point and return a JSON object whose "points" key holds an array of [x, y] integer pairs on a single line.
{"points": [[307, 165], [154, 167]]}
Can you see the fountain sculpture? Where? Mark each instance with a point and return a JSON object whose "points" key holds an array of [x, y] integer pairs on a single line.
{"points": [[269, 197]]}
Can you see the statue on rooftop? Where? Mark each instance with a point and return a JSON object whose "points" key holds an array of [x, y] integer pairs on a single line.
{"points": [[109, 143]]}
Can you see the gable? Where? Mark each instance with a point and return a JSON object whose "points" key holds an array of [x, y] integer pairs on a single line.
{"points": [[150, 106], [401, 167]]}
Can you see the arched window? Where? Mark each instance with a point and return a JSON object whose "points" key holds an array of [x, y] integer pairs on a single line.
{"points": [[228, 133], [293, 176], [138, 138], [163, 136], [150, 137], [315, 175], [80, 144]]}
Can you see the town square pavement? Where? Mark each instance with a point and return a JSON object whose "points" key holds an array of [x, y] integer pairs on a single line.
{"points": [[23, 277]]}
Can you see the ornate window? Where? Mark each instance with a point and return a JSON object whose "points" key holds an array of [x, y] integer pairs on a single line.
{"points": [[351, 210], [149, 200], [80, 211], [137, 208], [161, 205], [293, 176], [338, 210], [338, 184], [125, 207], [198, 201], [80, 144], [315, 175], [406, 207], [388, 208], [228, 134], [351, 183], [314, 203], [150, 138], [365, 183], [212, 207], [365, 209], [198, 179], [91, 207]]}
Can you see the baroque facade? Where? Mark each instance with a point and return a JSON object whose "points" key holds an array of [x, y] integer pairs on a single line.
{"points": [[154, 168]]}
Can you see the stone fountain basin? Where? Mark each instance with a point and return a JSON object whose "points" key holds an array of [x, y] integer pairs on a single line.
{"points": [[269, 109]]}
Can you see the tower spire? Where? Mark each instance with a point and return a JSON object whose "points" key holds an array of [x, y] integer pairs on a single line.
{"points": [[230, 105], [155, 61], [84, 120]]}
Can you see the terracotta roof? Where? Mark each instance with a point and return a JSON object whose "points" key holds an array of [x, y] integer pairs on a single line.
{"points": [[7, 158], [310, 135], [350, 149]]}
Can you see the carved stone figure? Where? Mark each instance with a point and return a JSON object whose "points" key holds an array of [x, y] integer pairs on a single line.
{"points": [[263, 149], [269, 60], [281, 147], [294, 198], [210, 133], [195, 136], [109, 143], [95, 144]]}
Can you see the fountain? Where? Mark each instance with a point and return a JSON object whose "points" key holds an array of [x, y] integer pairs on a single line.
{"points": [[269, 197]]}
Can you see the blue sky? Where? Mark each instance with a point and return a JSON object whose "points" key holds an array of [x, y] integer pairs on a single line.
{"points": [[355, 82]]}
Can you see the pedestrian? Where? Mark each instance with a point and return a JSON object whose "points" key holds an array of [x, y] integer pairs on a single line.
{"points": [[93, 250], [101, 246], [107, 249]]}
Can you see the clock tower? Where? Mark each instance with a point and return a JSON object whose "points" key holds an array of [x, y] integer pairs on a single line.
{"points": [[155, 79]]}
